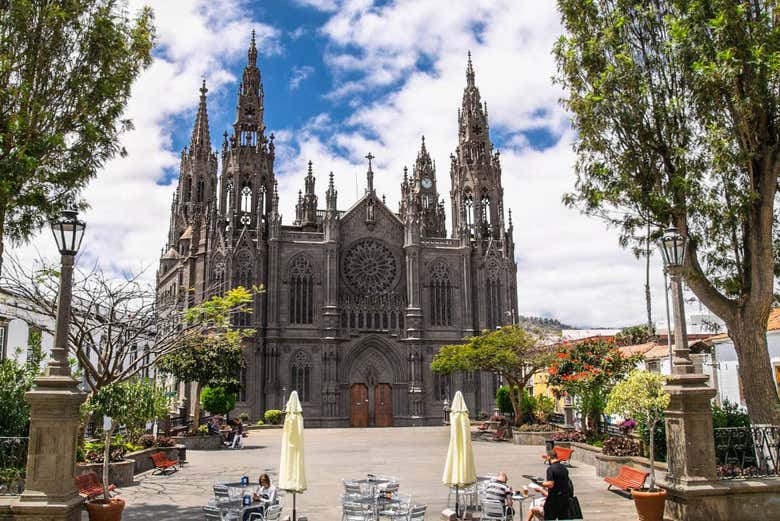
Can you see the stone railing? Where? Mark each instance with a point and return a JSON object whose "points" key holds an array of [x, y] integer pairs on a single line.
{"points": [[747, 452], [13, 465], [440, 241]]}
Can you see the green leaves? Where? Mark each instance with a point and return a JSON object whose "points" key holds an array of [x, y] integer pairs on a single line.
{"points": [[217, 400], [641, 397], [66, 69]]}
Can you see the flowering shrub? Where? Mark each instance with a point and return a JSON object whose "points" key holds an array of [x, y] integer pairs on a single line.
{"points": [[620, 446], [569, 436], [588, 370], [148, 441], [627, 426]]}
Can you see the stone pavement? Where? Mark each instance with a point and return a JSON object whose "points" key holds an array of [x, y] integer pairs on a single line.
{"points": [[414, 454]]}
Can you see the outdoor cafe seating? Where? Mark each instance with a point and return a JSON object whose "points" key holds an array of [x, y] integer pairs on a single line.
{"points": [[233, 502], [377, 497]]}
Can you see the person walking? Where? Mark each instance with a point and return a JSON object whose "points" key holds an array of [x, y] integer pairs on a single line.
{"points": [[559, 489]]}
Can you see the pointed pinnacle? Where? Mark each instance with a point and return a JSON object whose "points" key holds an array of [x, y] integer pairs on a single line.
{"points": [[470, 71], [252, 53], [330, 181], [310, 172]]}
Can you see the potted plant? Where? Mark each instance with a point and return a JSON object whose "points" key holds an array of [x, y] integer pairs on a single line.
{"points": [[129, 404], [641, 396], [111, 402]]}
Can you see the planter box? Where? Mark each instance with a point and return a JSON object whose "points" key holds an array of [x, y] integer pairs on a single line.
{"points": [[209, 442], [531, 437], [143, 458], [262, 427], [584, 453], [119, 473]]}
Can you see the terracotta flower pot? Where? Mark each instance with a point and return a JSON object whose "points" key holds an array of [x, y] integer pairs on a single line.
{"points": [[649, 505], [102, 510]]}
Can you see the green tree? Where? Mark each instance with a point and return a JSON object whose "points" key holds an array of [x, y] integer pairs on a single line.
{"points": [[633, 335], [641, 397], [217, 400], [213, 357], [15, 381], [66, 70], [511, 352], [125, 403], [588, 371], [676, 109], [150, 404]]}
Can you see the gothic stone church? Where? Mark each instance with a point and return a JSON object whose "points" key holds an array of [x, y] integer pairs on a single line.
{"points": [[357, 301]]}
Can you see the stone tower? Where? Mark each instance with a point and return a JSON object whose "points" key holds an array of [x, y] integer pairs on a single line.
{"points": [[477, 196]]}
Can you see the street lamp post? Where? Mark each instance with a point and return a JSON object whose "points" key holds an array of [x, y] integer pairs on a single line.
{"points": [[50, 492], [689, 435]]}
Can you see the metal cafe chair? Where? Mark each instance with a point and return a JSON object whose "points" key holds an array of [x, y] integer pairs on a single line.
{"points": [[417, 513]]}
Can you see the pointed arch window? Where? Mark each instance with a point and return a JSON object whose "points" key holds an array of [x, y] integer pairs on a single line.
{"points": [[441, 387], [300, 377], [486, 209], [468, 204], [301, 291], [201, 188], [243, 277], [441, 295], [188, 189], [229, 198], [246, 199], [493, 306]]}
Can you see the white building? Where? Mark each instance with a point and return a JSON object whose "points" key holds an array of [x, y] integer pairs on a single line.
{"points": [[17, 320]]}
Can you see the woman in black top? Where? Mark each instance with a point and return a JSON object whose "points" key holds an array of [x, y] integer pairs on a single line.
{"points": [[558, 490]]}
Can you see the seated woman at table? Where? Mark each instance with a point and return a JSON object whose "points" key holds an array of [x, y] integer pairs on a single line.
{"points": [[266, 491], [537, 507]]}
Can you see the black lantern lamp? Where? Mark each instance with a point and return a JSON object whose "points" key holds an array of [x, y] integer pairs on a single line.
{"points": [[68, 231], [673, 247]]}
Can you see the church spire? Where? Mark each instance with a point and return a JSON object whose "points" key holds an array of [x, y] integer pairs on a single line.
{"points": [[200, 132], [469, 72], [252, 52]]}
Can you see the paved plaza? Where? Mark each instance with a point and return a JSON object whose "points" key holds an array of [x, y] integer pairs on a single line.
{"points": [[414, 454]]}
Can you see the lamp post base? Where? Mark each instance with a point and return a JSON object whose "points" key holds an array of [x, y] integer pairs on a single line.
{"points": [[689, 432], [50, 490]]}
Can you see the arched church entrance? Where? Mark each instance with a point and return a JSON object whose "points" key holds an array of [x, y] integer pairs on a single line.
{"points": [[371, 378]]}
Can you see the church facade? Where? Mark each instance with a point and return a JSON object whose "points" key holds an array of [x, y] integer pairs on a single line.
{"points": [[356, 301]]}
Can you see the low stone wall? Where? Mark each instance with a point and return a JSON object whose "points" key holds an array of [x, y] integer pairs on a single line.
{"points": [[531, 438], [5, 507], [143, 458], [119, 473], [210, 442], [724, 500], [262, 427]]}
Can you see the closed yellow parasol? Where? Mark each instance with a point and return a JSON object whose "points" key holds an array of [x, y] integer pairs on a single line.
{"points": [[292, 470], [459, 470]]}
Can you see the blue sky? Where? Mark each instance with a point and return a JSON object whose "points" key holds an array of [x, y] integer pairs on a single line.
{"points": [[345, 77]]}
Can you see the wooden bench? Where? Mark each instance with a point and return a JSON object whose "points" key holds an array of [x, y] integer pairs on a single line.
{"points": [[162, 464], [562, 453], [628, 479], [89, 485]]}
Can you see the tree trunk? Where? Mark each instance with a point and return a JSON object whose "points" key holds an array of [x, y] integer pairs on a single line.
{"points": [[648, 299], [652, 455], [517, 402], [196, 409], [107, 462], [755, 368]]}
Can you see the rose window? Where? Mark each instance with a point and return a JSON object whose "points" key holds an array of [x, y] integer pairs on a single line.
{"points": [[370, 267]]}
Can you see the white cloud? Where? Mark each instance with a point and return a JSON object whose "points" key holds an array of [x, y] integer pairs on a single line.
{"points": [[299, 73], [569, 266]]}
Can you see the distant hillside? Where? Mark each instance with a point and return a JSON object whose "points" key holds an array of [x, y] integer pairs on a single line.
{"points": [[551, 325]]}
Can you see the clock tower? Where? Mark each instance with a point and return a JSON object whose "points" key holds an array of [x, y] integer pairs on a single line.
{"points": [[420, 195]]}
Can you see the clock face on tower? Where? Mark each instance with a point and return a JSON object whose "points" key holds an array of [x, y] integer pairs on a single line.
{"points": [[426, 182]]}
